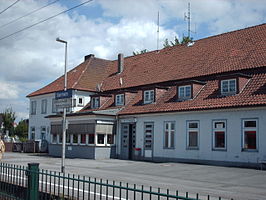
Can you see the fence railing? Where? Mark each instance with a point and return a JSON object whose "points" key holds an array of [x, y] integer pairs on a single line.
{"points": [[19, 182]]}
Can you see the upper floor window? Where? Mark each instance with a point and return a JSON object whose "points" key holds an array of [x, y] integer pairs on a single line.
{"points": [[54, 108], [184, 92], [44, 106], [95, 102], [119, 99], [228, 86], [250, 127], [148, 96], [33, 107], [80, 101]]}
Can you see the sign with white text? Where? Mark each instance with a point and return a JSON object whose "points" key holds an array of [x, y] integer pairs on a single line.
{"points": [[63, 94], [63, 103]]}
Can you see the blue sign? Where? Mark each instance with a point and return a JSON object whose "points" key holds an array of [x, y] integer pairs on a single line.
{"points": [[63, 94]]}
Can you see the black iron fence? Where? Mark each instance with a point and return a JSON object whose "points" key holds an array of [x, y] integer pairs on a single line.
{"points": [[19, 182]]}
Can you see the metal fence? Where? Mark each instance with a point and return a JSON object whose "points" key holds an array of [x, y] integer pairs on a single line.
{"points": [[19, 182]]}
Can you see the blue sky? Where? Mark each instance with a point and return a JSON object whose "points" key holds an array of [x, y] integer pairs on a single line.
{"points": [[32, 59]]}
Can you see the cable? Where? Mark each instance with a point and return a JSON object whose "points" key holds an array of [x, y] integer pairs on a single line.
{"points": [[28, 14], [9, 6], [27, 27]]}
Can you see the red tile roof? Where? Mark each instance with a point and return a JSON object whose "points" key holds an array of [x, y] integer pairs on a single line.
{"points": [[85, 77], [233, 51]]}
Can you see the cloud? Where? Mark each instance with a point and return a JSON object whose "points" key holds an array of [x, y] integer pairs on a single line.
{"points": [[8, 90]]}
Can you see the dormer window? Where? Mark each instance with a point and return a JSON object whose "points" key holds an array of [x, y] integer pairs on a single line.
{"points": [[120, 100], [228, 86], [184, 92], [148, 96], [95, 102], [80, 101]]}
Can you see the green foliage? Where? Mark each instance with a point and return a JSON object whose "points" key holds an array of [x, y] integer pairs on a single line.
{"points": [[8, 120], [22, 130], [139, 52], [175, 42]]}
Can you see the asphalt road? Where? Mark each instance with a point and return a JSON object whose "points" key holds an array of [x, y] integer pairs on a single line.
{"points": [[227, 182]]}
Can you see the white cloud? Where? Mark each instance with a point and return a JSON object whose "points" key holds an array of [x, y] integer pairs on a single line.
{"points": [[8, 90]]}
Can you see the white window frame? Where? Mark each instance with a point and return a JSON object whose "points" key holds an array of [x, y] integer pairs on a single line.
{"points": [[104, 139], [82, 99], [44, 106], [32, 130], [228, 92], [249, 129], [119, 99], [43, 131], [185, 88], [33, 107], [197, 130], [219, 129], [150, 94], [93, 102], [169, 131]]}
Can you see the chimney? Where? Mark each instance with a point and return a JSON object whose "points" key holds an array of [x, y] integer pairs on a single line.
{"points": [[120, 62], [88, 57]]}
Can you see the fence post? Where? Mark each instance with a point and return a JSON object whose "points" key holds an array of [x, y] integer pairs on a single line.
{"points": [[33, 181]]}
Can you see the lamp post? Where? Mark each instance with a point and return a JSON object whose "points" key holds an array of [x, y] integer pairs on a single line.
{"points": [[64, 111]]}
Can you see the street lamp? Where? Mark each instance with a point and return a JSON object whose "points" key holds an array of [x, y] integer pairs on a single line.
{"points": [[64, 113]]}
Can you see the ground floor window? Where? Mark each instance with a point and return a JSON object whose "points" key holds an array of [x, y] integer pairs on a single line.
{"points": [[43, 132], [82, 139], [74, 139], [219, 134], [250, 134], [110, 139], [68, 138], [192, 134], [32, 133], [100, 138], [54, 138], [91, 138], [169, 134], [60, 139]]}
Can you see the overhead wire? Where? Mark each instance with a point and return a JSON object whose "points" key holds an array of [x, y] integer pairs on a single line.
{"points": [[9, 6], [34, 11], [37, 23]]}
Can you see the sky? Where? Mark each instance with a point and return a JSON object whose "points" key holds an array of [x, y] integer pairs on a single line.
{"points": [[32, 58]]}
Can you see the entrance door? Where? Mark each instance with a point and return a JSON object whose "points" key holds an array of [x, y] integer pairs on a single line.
{"points": [[128, 143], [148, 140]]}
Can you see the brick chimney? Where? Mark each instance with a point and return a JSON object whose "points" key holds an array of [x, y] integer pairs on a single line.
{"points": [[120, 62]]}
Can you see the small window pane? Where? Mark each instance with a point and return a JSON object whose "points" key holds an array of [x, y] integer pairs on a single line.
{"points": [[250, 124], [91, 138], [83, 139], [166, 139], [219, 125], [110, 139], [67, 138], [100, 139], [75, 139], [220, 139], [193, 139], [54, 138], [250, 140], [193, 125]]}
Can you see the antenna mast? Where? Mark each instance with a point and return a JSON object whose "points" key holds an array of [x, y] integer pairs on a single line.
{"points": [[187, 17], [158, 30]]}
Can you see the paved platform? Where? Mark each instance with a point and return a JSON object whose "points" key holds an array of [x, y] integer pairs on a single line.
{"points": [[227, 182]]}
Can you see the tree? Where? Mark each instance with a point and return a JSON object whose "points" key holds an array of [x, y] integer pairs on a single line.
{"points": [[166, 43], [186, 40], [22, 130], [141, 52], [8, 120], [175, 42]]}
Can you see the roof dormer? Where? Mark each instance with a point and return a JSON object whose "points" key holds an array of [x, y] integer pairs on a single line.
{"points": [[98, 100], [188, 90]]}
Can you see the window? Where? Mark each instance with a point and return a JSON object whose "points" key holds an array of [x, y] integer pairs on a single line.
{"points": [[95, 102], [32, 133], [192, 134], [80, 101], [68, 138], [110, 139], [148, 96], [219, 134], [74, 139], [119, 99], [228, 86], [44, 106], [33, 107], [54, 108], [250, 134], [91, 139], [148, 135], [169, 134], [184, 92], [54, 138], [43, 132], [60, 138], [100, 138], [82, 139]]}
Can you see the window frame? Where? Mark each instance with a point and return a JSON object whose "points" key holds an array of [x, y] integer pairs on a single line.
{"points": [[250, 129], [121, 98], [185, 97], [54, 108], [188, 130], [151, 97], [44, 106], [77, 101], [33, 107], [43, 131], [169, 138], [32, 130], [214, 130], [93, 102], [228, 92]]}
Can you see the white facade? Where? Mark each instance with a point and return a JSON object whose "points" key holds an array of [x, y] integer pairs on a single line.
{"points": [[39, 126], [234, 150]]}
